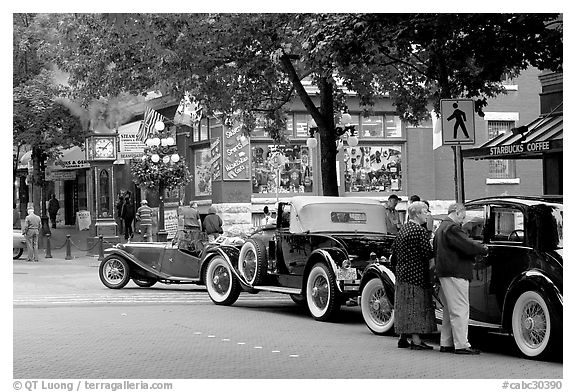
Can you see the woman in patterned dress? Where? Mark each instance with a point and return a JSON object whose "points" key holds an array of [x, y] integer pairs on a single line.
{"points": [[413, 305]]}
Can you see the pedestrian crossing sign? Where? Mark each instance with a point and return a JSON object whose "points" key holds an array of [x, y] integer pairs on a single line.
{"points": [[457, 121]]}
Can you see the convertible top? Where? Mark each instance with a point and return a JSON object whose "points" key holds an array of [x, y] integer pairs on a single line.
{"points": [[317, 214]]}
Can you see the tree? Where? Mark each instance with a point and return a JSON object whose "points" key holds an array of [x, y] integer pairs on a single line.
{"points": [[44, 125], [244, 65], [41, 121]]}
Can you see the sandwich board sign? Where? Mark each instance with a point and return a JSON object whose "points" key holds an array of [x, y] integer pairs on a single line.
{"points": [[457, 121]]}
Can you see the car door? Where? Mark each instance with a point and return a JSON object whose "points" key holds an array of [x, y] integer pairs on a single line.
{"points": [[508, 255], [474, 226], [179, 263]]}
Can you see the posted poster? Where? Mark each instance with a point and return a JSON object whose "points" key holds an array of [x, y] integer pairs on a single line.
{"points": [[236, 155], [215, 159], [171, 222]]}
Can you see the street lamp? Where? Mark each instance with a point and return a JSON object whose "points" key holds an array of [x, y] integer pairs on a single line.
{"points": [[345, 128], [161, 150]]}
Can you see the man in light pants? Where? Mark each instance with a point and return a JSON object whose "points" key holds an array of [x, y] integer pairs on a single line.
{"points": [[455, 253]]}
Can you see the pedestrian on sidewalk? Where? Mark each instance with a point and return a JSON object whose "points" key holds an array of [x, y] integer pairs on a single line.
{"points": [[31, 231], [128, 215], [455, 253], [16, 223], [391, 216], [119, 221], [53, 207], [144, 217], [192, 227], [413, 304], [213, 224]]}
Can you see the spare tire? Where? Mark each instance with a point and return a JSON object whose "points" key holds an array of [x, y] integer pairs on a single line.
{"points": [[253, 261]]}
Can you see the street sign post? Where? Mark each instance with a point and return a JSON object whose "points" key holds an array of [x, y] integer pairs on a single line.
{"points": [[458, 129], [457, 121]]}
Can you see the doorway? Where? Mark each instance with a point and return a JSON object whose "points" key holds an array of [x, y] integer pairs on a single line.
{"points": [[70, 201]]}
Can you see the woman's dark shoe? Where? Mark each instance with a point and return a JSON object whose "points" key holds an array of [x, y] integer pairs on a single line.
{"points": [[467, 351], [446, 349], [403, 343], [420, 346]]}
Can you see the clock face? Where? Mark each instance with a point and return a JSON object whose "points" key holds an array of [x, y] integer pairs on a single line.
{"points": [[104, 148]]}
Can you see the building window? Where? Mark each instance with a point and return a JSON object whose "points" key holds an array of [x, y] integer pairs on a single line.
{"points": [[500, 168], [294, 176], [373, 169], [202, 172]]}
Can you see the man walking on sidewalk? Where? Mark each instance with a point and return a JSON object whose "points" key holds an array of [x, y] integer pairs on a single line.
{"points": [[144, 216], [31, 230]]}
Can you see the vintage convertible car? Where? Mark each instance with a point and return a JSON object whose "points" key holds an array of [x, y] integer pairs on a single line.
{"points": [[316, 253], [516, 289], [149, 262], [19, 244]]}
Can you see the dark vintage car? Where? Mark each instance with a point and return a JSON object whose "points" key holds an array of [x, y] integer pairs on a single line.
{"points": [[19, 244], [149, 262], [516, 289], [315, 253]]}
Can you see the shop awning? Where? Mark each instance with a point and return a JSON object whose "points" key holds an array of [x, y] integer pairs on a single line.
{"points": [[542, 136], [71, 159]]}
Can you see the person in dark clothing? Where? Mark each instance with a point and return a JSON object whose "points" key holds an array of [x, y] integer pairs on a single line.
{"points": [[53, 207], [128, 214], [213, 224], [413, 305], [455, 253], [119, 220]]}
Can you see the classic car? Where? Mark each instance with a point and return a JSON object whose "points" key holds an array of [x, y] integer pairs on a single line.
{"points": [[316, 253], [149, 262], [516, 288], [19, 244]]}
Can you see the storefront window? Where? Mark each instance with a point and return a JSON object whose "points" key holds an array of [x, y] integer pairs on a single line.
{"points": [[258, 130], [202, 172], [301, 121], [372, 126], [204, 129], [215, 126], [294, 176], [373, 169]]}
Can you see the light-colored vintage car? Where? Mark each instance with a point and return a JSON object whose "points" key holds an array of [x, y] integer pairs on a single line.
{"points": [[316, 253], [19, 244]]}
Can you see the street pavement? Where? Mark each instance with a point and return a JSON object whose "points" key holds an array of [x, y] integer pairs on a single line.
{"points": [[66, 324]]}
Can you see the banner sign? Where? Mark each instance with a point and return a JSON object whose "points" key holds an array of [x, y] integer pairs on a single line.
{"points": [[171, 222], [130, 146], [236, 155], [216, 159]]}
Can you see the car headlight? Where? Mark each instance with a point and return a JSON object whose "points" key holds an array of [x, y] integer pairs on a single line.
{"points": [[346, 264]]}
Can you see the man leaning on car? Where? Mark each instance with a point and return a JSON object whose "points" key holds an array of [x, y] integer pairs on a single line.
{"points": [[455, 253]]}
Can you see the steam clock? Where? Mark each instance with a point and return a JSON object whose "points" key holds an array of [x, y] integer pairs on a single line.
{"points": [[101, 150]]}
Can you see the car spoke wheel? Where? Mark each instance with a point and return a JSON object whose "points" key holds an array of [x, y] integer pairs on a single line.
{"points": [[144, 282], [222, 286], [321, 295], [252, 261], [532, 325], [377, 308], [16, 253], [114, 272]]}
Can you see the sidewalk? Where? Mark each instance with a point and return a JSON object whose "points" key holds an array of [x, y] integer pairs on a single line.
{"points": [[79, 251]]}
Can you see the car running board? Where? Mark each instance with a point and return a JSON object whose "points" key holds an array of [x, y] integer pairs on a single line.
{"points": [[276, 289], [473, 323]]}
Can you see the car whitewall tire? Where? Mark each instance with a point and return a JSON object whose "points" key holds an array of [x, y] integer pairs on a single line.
{"points": [[321, 295], [377, 308], [222, 286], [533, 325]]}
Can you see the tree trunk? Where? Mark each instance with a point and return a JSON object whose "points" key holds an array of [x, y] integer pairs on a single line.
{"points": [[327, 139]]}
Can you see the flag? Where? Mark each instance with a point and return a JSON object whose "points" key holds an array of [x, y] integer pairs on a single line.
{"points": [[151, 116], [189, 111], [436, 130]]}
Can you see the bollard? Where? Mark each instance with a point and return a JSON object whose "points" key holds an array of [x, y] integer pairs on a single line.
{"points": [[48, 250], [145, 238], [101, 247], [68, 250]]}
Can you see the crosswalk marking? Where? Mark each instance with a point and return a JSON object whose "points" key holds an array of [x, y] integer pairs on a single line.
{"points": [[137, 298]]}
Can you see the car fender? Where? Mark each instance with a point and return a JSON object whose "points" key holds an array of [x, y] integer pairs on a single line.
{"points": [[384, 274], [333, 257], [230, 255], [133, 260], [530, 280]]}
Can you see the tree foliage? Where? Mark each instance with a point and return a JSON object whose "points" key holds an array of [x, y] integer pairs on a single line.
{"points": [[243, 66]]}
